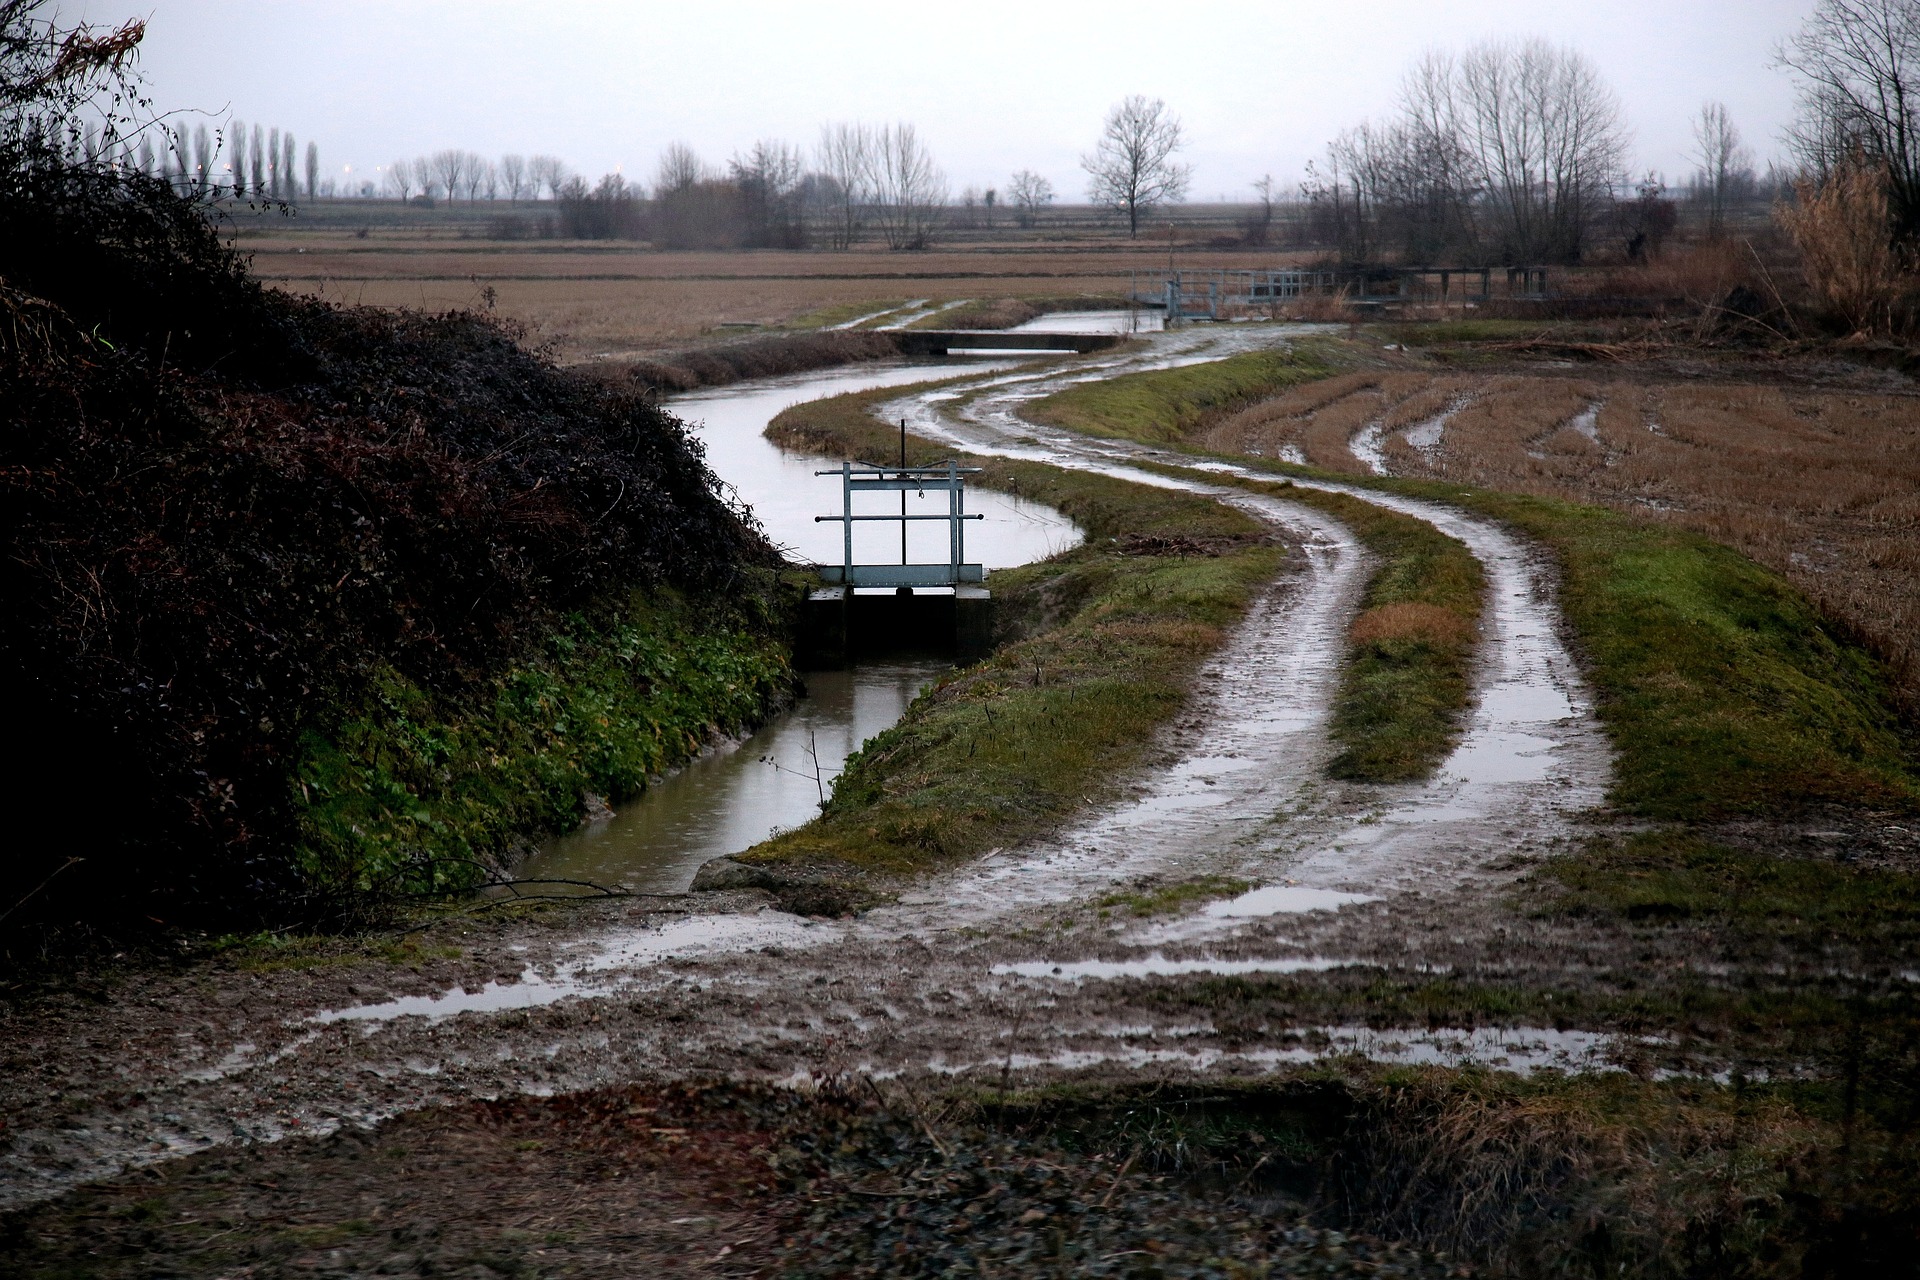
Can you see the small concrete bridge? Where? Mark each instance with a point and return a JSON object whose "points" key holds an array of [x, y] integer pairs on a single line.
{"points": [[936, 342]]}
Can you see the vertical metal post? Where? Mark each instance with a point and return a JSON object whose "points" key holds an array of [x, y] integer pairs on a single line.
{"points": [[846, 525], [957, 507], [903, 491]]}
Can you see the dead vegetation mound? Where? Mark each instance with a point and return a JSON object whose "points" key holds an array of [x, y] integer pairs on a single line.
{"points": [[223, 508]]}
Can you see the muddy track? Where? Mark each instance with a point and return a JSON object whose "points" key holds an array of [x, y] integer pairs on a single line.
{"points": [[999, 968]]}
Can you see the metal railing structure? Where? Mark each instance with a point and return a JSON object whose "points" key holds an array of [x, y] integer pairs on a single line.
{"points": [[867, 478], [1223, 294]]}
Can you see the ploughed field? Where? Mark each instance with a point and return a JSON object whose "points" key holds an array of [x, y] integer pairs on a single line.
{"points": [[1816, 478]]}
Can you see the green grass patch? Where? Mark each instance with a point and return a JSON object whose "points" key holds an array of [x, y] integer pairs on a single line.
{"points": [[1101, 644], [841, 313], [1165, 899], [1723, 689], [410, 791], [1669, 876], [1163, 406]]}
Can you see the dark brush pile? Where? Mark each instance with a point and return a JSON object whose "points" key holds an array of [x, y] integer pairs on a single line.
{"points": [[222, 507]]}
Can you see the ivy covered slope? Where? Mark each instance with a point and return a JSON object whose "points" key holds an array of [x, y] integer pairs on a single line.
{"points": [[302, 601]]}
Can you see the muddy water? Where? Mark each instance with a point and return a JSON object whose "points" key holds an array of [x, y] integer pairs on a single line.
{"points": [[737, 795]]}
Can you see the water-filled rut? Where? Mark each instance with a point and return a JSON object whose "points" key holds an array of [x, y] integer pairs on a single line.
{"points": [[1002, 966]]}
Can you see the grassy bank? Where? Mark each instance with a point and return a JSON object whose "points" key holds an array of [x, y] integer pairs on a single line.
{"points": [[412, 791], [1163, 406], [1723, 689], [1099, 647]]}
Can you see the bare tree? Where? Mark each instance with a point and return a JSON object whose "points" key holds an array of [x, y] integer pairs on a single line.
{"points": [[257, 164], [400, 180], [274, 172], [1858, 67], [988, 200], [489, 178], [1721, 159], [146, 154], [846, 155], [909, 187], [449, 171], [768, 178], [680, 167], [1547, 135], [1031, 193], [1131, 169], [313, 171], [289, 190], [513, 175], [423, 176], [547, 173]]}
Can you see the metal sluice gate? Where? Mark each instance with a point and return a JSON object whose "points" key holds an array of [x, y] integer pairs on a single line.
{"points": [[904, 479], [918, 612]]}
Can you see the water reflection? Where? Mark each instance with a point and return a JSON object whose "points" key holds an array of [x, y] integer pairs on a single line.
{"points": [[1143, 320], [786, 495], [734, 798]]}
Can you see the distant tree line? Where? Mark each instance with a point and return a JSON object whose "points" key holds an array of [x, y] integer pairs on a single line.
{"points": [[858, 181]]}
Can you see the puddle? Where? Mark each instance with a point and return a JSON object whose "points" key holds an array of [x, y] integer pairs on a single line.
{"points": [[609, 966], [1522, 1050], [1158, 966], [1426, 436], [1284, 899], [1369, 445], [1585, 420]]}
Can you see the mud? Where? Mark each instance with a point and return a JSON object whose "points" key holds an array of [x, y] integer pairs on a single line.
{"points": [[1355, 884]]}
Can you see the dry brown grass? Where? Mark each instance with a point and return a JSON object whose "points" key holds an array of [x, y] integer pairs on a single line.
{"points": [[596, 300], [1821, 486]]}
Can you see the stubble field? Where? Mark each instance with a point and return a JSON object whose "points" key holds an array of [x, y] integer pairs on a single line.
{"points": [[608, 300]]}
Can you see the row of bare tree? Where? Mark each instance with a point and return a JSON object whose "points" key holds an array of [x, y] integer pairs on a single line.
{"points": [[454, 175], [860, 181], [1504, 153]]}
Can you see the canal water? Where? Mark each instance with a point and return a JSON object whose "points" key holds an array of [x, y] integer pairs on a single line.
{"points": [[736, 796]]}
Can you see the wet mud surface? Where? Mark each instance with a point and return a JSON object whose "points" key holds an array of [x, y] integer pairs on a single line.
{"points": [[1024, 966]]}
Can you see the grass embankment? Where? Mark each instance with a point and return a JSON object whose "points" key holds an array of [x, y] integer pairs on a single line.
{"points": [[1099, 646], [415, 791], [1163, 406]]}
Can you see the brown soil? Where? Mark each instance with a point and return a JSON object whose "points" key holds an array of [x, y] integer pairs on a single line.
{"points": [[606, 300], [1811, 467]]}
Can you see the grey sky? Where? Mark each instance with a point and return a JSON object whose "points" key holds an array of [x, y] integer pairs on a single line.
{"points": [[993, 86]]}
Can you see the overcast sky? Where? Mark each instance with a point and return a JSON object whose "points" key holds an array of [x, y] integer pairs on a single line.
{"points": [[993, 86]]}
